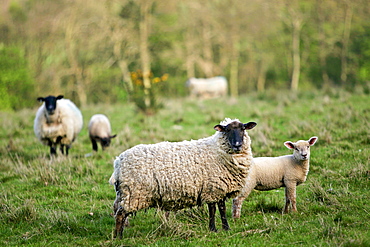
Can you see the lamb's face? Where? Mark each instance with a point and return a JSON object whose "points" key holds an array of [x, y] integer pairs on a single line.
{"points": [[301, 148], [50, 103], [235, 133], [105, 142]]}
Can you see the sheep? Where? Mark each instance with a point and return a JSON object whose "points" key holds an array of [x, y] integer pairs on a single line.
{"points": [[58, 122], [100, 131], [176, 175], [270, 173], [207, 88]]}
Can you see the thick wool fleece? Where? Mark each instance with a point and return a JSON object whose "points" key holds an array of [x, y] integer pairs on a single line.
{"points": [[66, 122], [178, 175], [99, 126]]}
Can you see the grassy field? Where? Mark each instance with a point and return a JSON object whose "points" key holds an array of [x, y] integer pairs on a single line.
{"points": [[68, 201]]}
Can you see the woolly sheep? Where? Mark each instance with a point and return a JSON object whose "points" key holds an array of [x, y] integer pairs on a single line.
{"points": [[269, 173], [58, 122], [100, 131], [176, 175], [207, 88]]}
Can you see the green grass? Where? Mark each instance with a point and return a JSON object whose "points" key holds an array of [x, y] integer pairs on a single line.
{"points": [[68, 201]]}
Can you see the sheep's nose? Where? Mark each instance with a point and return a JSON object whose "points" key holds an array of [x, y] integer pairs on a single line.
{"points": [[51, 111], [237, 146], [304, 156]]}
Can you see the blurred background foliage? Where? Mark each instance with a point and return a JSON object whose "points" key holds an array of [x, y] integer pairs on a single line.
{"points": [[89, 50]]}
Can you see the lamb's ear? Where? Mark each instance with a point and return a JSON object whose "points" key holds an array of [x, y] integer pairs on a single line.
{"points": [[313, 140], [220, 128], [112, 136], [250, 125], [40, 99], [289, 144], [59, 97]]}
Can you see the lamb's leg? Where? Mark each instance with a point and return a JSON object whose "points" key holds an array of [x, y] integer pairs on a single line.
{"points": [[238, 201], [94, 145], [212, 211], [290, 197], [222, 209], [121, 218], [237, 207]]}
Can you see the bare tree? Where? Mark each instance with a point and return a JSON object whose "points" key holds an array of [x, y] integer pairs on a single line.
{"points": [[118, 29], [145, 22], [294, 15]]}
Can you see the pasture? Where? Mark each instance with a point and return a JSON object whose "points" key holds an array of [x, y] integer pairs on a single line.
{"points": [[68, 201]]}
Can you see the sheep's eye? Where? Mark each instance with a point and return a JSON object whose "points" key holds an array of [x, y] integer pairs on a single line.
{"points": [[308, 146], [296, 149]]}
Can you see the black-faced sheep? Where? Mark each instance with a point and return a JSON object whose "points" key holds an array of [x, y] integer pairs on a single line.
{"points": [[269, 173], [58, 122], [177, 175], [100, 131]]}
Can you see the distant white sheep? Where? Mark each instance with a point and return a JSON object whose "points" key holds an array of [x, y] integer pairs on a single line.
{"points": [[269, 173], [58, 122], [100, 131], [177, 175], [207, 88]]}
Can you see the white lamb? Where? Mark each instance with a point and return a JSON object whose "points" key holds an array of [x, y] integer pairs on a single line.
{"points": [[177, 175], [100, 131], [269, 173], [58, 122]]}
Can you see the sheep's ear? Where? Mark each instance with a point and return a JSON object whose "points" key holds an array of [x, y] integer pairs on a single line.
{"points": [[220, 128], [313, 140], [60, 97], [40, 99], [112, 136], [250, 125], [289, 144]]}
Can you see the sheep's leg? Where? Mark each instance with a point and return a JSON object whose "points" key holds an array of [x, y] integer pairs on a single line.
{"points": [[53, 151], [121, 219], [237, 207], [66, 147], [212, 211], [290, 197], [94, 145], [222, 209], [238, 201]]}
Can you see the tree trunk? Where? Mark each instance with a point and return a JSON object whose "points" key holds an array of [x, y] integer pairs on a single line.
{"points": [[234, 67], [296, 53], [77, 71], [346, 35], [123, 65], [189, 44], [207, 50], [144, 49]]}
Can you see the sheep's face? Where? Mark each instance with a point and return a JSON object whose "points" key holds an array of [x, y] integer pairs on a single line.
{"points": [[301, 148], [50, 103], [105, 142], [235, 133]]}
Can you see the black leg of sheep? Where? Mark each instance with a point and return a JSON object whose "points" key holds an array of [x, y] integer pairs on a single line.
{"points": [[212, 211], [121, 218], [222, 209]]}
